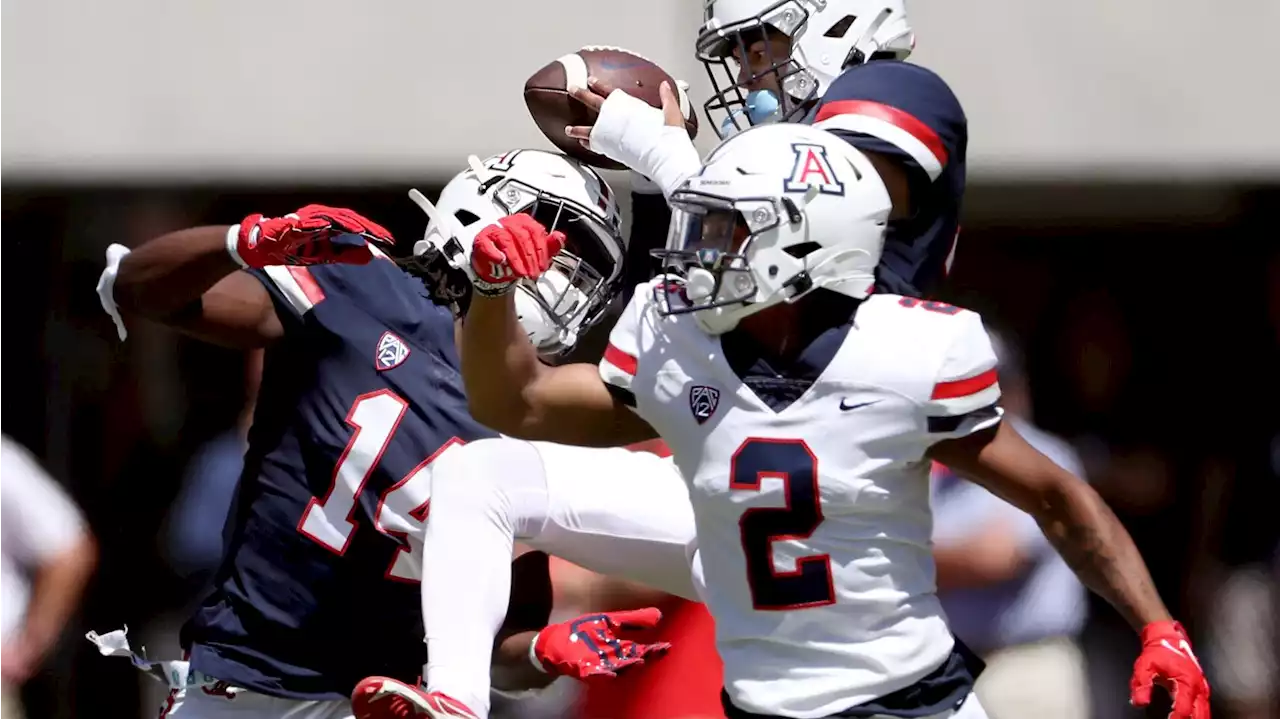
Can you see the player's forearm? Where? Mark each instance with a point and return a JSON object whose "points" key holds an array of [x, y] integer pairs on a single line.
{"points": [[498, 363], [166, 275], [56, 591], [513, 669], [1096, 545]]}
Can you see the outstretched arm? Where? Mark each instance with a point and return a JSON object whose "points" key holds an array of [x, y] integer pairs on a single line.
{"points": [[1091, 539], [189, 281], [1073, 517], [966, 434], [511, 390]]}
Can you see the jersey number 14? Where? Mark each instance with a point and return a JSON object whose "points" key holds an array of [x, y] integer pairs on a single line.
{"points": [[330, 520]]}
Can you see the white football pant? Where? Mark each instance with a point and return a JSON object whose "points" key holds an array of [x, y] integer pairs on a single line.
{"points": [[612, 511]]}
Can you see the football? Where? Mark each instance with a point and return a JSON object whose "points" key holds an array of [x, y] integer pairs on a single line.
{"points": [[552, 108]]}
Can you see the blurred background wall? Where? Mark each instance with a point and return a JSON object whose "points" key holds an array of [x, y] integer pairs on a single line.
{"points": [[1119, 227], [322, 88]]}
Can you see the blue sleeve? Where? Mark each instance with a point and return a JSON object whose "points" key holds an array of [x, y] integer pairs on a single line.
{"points": [[896, 108]]}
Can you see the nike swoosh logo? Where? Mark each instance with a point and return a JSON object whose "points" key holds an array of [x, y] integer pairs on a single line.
{"points": [[846, 407], [1183, 649]]}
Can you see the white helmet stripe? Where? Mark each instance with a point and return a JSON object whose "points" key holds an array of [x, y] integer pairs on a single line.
{"points": [[890, 124]]}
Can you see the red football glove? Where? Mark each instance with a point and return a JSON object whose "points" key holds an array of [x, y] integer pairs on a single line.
{"points": [[1167, 660], [304, 238], [518, 247], [590, 647]]}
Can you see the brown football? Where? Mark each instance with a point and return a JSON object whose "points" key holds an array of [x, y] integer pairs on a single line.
{"points": [[552, 108]]}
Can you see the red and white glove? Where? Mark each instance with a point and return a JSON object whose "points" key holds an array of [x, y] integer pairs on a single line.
{"points": [[589, 646], [516, 248], [1167, 660], [304, 238]]}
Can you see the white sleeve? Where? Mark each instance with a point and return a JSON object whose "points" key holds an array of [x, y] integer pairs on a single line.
{"points": [[621, 356], [40, 520], [966, 389]]}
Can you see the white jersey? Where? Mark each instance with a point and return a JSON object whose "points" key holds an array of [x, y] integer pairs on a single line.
{"points": [[813, 521]]}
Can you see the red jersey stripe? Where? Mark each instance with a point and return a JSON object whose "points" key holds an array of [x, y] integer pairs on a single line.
{"points": [[892, 115], [620, 359], [652, 446], [964, 387], [310, 288]]}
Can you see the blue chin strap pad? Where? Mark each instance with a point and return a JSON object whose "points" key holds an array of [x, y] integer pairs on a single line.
{"points": [[762, 108]]}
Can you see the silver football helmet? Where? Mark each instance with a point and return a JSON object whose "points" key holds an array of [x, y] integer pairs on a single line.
{"points": [[776, 212], [562, 194], [824, 36]]}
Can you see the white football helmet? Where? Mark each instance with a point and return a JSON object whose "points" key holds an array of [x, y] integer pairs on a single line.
{"points": [[560, 193], [776, 212], [827, 36]]}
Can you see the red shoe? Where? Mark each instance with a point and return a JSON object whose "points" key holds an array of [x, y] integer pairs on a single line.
{"points": [[384, 698]]}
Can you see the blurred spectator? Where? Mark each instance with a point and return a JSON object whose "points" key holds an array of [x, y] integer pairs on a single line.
{"points": [[47, 558], [1006, 592], [1243, 624], [191, 539], [1242, 652], [1242, 610], [193, 534]]}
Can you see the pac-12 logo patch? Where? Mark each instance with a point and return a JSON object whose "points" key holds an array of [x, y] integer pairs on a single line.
{"points": [[392, 352], [703, 401]]}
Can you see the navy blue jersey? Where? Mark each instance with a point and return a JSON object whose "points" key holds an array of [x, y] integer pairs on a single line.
{"points": [[905, 111], [319, 589]]}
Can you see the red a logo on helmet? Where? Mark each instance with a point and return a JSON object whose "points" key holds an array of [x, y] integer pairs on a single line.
{"points": [[812, 168]]}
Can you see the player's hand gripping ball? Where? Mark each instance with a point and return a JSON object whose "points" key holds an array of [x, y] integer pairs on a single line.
{"points": [[306, 237], [516, 248], [568, 92]]}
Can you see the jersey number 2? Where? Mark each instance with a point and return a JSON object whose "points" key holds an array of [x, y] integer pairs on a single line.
{"points": [[330, 520], [790, 460]]}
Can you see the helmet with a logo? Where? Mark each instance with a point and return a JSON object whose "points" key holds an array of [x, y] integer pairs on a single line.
{"points": [[776, 212], [823, 36], [558, 192]]}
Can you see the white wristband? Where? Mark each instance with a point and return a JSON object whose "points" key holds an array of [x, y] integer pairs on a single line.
{"points": [[107, 287], [533, 655], [634, 133], [233, 242]]}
